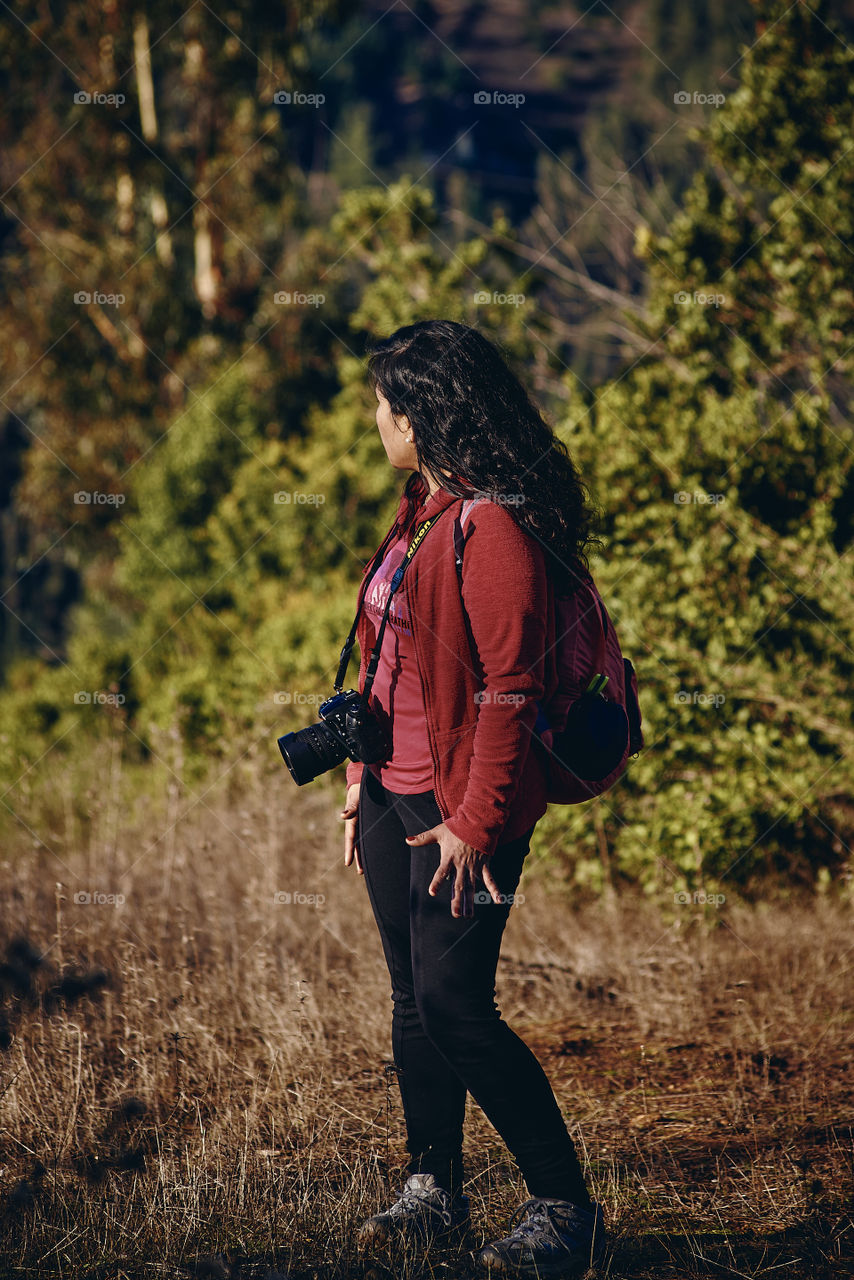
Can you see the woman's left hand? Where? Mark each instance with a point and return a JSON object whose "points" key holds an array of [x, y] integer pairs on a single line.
{"points": [[462, 861]]}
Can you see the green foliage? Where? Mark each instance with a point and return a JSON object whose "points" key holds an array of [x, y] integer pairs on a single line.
{"points": [[142, 247], [721, 461], [240, 551]]}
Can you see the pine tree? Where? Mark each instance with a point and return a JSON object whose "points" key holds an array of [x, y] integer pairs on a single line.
{"points": [[723, 464], [153, 201], [240, 553]]}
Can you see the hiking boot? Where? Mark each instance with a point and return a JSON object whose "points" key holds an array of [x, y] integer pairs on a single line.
{"points": [[423, 1211], [554, 1238]]}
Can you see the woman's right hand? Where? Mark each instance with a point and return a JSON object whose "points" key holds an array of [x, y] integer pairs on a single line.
{"points": [[350, 813]]}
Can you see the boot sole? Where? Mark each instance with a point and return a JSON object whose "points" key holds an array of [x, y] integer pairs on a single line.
{"points": [[383, 1238], [568, 1269]]}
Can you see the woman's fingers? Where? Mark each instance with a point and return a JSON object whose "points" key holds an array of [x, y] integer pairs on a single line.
{"points": [[462, 903], [465, 878], [440, 876], [489, 881], [349, 840], [356, 852], [350, 814], [351, 844], [465, 882]]}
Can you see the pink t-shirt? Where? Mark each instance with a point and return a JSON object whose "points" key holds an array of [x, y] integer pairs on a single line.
{"points": [[397, 698]]}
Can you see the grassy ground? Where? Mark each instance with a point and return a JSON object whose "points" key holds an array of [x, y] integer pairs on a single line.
{"points": [[194, 1080]]}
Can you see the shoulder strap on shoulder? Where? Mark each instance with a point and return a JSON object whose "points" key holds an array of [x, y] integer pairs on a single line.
{"points": [[459, 524], [602, 614]]}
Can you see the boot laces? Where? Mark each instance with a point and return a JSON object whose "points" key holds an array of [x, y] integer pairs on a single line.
{"points": [[413, 1200], [539, 1223]]}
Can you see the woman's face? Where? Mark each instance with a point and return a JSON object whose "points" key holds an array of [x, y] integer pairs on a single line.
{"points": [[393, 434]]}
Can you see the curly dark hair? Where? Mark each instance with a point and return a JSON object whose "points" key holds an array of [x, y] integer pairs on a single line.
{"points": [[473, 418]]}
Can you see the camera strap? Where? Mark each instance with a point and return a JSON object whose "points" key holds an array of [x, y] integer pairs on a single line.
{"points": [[396, 580]]}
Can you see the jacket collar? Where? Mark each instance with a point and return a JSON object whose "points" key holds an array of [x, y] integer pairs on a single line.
{"points": [[435, 502]]}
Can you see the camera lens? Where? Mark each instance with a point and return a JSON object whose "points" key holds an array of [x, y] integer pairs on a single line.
{"points": [[311, 751]]}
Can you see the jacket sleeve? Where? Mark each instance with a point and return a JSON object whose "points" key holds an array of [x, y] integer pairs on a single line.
{"points": [[504, 592]]}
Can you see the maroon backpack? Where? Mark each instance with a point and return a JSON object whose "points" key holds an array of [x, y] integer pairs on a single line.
{"points": [[592, 724]]}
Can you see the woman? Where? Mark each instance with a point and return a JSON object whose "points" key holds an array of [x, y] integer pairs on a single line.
{"points": [[463, 666]]}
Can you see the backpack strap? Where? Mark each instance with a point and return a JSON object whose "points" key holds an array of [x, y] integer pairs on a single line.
{"points": [[603, 628], [542, 722], [459, 523]]}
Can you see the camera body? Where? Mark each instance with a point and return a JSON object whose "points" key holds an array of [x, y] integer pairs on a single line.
{"points": [[345, 729]]}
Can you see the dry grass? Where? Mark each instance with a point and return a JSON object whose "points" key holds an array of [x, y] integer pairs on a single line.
{"points": [[194, 1081]]}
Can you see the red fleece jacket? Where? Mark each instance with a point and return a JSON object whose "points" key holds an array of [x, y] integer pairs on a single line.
{"points": [[485, 656]]}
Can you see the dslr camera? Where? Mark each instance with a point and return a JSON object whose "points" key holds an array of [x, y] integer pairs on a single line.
{"points": [[345, 728]]}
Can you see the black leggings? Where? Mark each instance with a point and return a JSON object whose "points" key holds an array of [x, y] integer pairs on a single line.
{"points": [[448, 1037]]}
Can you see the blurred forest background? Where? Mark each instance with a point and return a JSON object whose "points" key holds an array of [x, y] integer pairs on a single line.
{"points": [[206, 214]]}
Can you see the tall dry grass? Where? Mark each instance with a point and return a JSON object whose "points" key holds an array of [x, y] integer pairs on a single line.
{"points": [[197, 1079]]}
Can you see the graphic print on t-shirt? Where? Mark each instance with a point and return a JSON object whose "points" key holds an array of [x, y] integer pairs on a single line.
{"points": [[379, 587], [397, 698]]}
